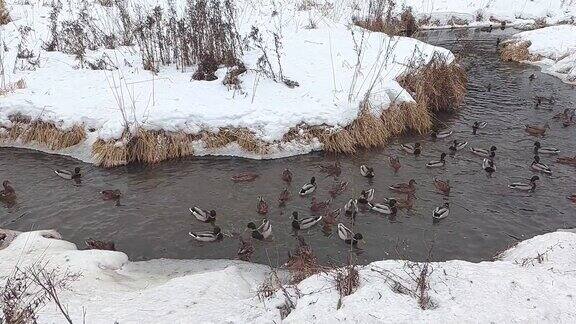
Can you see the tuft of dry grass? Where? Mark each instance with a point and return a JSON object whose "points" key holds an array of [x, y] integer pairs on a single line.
{"points": [[4, 14], [44, 133], [368, 131], [516, 51], [438, 86], [109, 153], [382, 18], [302, 263], [11, 87]]}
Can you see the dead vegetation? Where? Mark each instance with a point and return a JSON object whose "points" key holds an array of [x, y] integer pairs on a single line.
{"points": [[302, 263], [4, 14], [11, 87], [516, 51], [382, 17]]}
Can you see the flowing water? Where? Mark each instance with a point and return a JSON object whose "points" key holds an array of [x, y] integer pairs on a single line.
{"points": [[153, 220]]}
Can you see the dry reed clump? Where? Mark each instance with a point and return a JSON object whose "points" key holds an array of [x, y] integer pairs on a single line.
{"points": [[438, 85], [245, 138], [516, 51], [302, 263], [382, 18], [347, 280], [4, 14], [109, 153], [43, 133], [11, 87]]}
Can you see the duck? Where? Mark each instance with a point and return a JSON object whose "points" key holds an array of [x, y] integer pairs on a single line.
{"points": [[333, 170], [304, 223], [8, 193], [387, 209], [338, 188], [484, 152], [284, 197], [331, 217], [415, 149], [567, 113], [366, 172], [395, 163], [203, 215], [262, 207], [457, 146], [525, 186], [478, 125], [532, 77], [488, 166], [245, 250], [486, 29], [572, 198], [208, 236], [245, 177], [319, 206], [351, 208], [287, 176], [348, 236], [441, 134], [309, 187], [404, 187], [111, 194], [539, 166], [405, 203], [262, 232], [442, 186], [536, 130], [366, 196], [437, 164], [538, 149], [100, 245], [441, 212], [568, 160], [69, 175]]}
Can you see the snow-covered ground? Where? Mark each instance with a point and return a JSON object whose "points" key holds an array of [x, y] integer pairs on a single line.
{"points": [[531, 282], [553, 48]]}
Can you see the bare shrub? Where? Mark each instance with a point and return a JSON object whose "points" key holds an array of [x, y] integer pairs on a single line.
{"points": [[381, 17], [347, 280], [4, 14]]}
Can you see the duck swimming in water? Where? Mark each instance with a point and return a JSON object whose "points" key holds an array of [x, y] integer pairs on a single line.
{"points": [[366, 196], [404, 187], [387, 209], [366, 172], [395, 163], [415, 149], [351, 208], [568, 160], [441, 212], [287, 176], [245, 177], [440, 135], [203, 215], [536, 130], [478, 125], [525, 186], [309, 187], [457, 146], [319, 206], [262, 232], [338, 188], [488, 166], [348, 236], [539, 166], [284, 197], [8, 194], [262, 206], [442, 186], [208, 236], [437, 164], [483, 152], [538, 149], [68, 175], [304, 223]]}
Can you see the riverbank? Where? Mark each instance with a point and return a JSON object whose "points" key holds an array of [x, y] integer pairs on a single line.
{"points": [[532, 281]]}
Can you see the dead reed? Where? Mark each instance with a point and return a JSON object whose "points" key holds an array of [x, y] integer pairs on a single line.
{"points": [[43, 133], [381, 17], [302, 263], [516, 51]]}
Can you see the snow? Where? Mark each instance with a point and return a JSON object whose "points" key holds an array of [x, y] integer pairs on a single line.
{"points": [[556, 46], [518, 287]]}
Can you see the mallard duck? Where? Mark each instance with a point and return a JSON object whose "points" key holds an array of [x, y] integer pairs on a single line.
{"points": [[287, 176], [539, 166], [203, 215], [366, 196], [100, 245], [437, 164], [441, 212], [111, 194], [440, 135], [366, 172], [284, 197], [567, 113], [457, 146], [245, 177], [536, 130], [262, 206], [483, 152], [304, 223], [348, 236], [333, 170], [319, 206], [572, 198], [262, 232], [245, 250], [309, 187], [351, 208], [538, 149], [404, 187], [8, 193], [69, 175], [208, 236], [486, 29], [405, 203], [387, 209], [478, 125], [395, 163], [415, 149], [525, 186], [331, 217], [442, 186], [569, 160], [488, 166], [338, 188], [532, 77]]}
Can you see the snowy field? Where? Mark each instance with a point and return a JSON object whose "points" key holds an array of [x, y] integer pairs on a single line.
{"points": [[531, 282], [553, 48]]}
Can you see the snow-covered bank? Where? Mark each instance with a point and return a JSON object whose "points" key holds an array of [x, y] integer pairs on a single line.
{"points": [[552, 48], [531, 282]]}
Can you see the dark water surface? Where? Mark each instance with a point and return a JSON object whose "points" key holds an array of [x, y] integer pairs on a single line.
{"points": [[486, 217]]}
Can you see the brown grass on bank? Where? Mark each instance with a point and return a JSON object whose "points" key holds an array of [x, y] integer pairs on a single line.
{"points": [[245, 138], [4, 14], [381, 18], [11, 87], [43, 133], [438, 85], [516, 51], [302, 263]]}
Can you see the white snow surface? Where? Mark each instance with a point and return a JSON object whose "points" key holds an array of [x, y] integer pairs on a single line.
{"points": [[556, 45], [517, 288]]}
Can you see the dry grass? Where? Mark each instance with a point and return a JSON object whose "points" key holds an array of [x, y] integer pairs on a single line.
{"points": [[43, 133], [11, 87], [516, 51], [109, 153], [245, 138], [437, 86], [381, 18], [4, 14], [302, 263]]}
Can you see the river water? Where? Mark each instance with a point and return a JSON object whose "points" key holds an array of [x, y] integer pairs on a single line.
{"points": [[486, 217]]}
